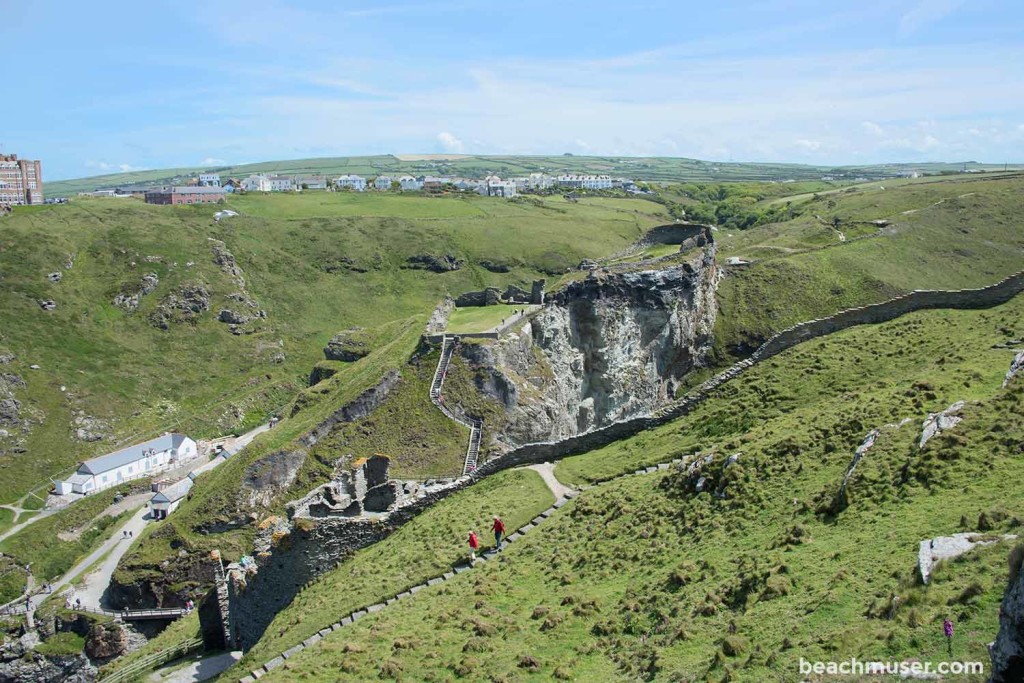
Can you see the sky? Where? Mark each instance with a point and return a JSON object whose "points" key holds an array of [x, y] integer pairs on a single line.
{"points": [[111, 86]]}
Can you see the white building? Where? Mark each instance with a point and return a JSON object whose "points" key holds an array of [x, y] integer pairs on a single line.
{"points": [[539, 181], [141, 460], [586, 182], [383, 182], [493, 186], [410, 184], [169, 498], [281, 183], [354, 182], [209, 179], [258, 182]]}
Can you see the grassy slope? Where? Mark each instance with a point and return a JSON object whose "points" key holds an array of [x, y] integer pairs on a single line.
{"points": [[641, 579], [427, 546], [117, 367], [970, 239]]}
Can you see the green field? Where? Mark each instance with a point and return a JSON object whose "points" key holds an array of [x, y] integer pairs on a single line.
{"points": [[480, 318], [643, 579]]}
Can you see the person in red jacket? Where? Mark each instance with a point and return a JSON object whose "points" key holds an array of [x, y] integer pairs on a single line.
{"points": [[499, 530], [474, 543]]}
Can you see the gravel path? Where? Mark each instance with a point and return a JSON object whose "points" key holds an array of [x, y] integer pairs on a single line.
{"points": [[547, 473]]}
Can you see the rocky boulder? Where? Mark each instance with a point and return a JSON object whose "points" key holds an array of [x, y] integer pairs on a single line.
{"points": [[184, 305], [1007, 652], [435, 264], [347, 345], [129, 299], [106, 641], [936, 423]]}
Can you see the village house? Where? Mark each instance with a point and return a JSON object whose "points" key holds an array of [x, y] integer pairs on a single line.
{"points": [[168, 498], [353, 182], [383, 182], [311, 182], [141, 460], [258, 182], [410, 184], [539, 181], [493, 186], [281, 183], [185, 195], [209, 179], [586, 182], [433, 183]]}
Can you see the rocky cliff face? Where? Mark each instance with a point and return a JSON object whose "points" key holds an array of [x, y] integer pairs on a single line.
{"points": [[606, 348], [1007, 652]]}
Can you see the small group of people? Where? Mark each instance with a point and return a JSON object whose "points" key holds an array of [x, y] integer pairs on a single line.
{"points": [[127, 534], [498, 527], [189, 605]]}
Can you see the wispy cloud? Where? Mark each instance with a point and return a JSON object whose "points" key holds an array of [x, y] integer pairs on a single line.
{"points": [[211, 161], [927, 12]]}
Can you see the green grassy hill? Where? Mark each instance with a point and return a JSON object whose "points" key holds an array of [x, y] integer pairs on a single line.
{"points": [[315, 263], [642, 578]]}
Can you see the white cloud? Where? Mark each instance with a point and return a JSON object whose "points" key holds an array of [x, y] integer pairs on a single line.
{"points": [[873, 128], [927, 12], [450, 143], [113, 168], [210, 161], [808, 145]]}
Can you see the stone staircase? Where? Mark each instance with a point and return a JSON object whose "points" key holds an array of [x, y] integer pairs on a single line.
{"points": [[474, 426]]}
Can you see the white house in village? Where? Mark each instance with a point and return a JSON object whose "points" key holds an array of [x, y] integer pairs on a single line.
{"points": [[587, 182], [539, 181], [383, 182], [354, 182], [493, 186], [310, 182], [167, 499], [209, 179], [257, 182], [410, 184], [164, 452], [281, 183]]}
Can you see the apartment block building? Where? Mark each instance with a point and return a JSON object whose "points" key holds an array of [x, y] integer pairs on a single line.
{"points": [[21, 181]]}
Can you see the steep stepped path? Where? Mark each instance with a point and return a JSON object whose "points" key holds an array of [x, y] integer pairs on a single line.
{"points": [[563, 495], [474, 426]]}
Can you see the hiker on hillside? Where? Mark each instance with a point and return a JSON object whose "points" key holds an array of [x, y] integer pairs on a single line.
{"points": [[474, 544], [499, 530], [947, 629]]}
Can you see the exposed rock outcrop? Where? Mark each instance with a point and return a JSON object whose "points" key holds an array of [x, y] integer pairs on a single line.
{"points": [[612, 346], [19, 663], [182, 306], [347, 346], [106, 641], [1007, 652], [435, 264], [226, 260], [129, 300], [1015, 367], [936, 423]]}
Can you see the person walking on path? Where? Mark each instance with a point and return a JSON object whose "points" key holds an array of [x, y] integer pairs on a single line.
{"points": [[474, 544], [499, 530], [947, 629]]}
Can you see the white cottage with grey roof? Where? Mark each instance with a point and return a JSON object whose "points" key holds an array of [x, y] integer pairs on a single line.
{"points": [[141, 460], [169, 498]]}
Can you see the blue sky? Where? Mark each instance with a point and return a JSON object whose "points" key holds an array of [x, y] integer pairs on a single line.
{"points": [[157, 84]]}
